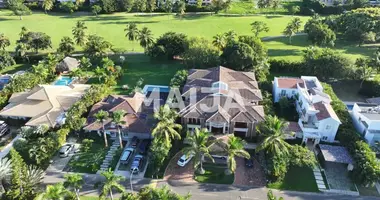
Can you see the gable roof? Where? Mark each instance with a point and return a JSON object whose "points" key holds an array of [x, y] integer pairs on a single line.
{"points": [[325, 111], [242, 92], [43, 103], [67, 64], [131, 104]]}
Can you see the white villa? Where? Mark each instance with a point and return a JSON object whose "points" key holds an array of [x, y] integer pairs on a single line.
{"points": [[366, 118], [317, 119]]}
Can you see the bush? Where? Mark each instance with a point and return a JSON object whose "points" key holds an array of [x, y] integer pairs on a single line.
{"points": [[68, 7], [6, 60], [370, 88], [281, 65], [86, 145], [170, 44]]}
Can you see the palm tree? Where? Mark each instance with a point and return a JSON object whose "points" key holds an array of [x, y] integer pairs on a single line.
{"points": [[273, 130], [33, 178], [79, 33], [111, 182], [297, 23], [117, 119], [5, 171], [230, 36], [75, 182], [199, 147], [101, 117], [289, 32], [219, 41], [166, 127], [54, 192], [132, 32], [235, 147], [47, 5], [145, 37]]}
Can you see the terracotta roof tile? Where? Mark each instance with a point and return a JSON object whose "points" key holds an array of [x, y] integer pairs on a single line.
{"points": [[288, 82]]}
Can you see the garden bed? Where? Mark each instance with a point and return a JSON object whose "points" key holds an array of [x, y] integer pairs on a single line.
{"points": [[214, 174]]}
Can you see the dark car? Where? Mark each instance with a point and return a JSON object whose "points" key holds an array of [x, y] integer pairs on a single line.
{"points": [[249, 162], [136, 164], [143, 147], [135, 142]]}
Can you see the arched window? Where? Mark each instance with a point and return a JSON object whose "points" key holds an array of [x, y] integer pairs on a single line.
{"points": [[220, 85]]}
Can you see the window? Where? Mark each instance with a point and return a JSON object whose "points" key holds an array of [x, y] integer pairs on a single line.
{"points": [[220, 85], [328, 127], [283, 92], [325, 138]]}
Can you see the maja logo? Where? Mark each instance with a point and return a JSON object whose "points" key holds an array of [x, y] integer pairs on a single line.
{"points": [[205, 99]]}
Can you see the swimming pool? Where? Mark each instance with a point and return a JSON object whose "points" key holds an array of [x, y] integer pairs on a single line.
{"points": [[160, 88], [350, 107], [63, 80]]}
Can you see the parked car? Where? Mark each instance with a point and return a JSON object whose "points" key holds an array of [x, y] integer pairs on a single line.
{"points": [[143, 147], [135, 141], [183, 160], [136, 164], [4, 128], [126, 155], [249, 162], [219, 157], [65, 150]]}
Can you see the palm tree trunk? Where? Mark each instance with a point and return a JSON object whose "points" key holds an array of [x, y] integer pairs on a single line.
{"points": [[361, 83], [111, 194], [105, 136], [201, 170], [121, 141], [77, 194]]}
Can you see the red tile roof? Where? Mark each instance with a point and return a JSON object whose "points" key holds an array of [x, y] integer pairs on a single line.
{"points": [[288, 82], [325, 111]]}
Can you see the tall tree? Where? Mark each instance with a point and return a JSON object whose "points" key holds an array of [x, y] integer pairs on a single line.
{"points": [[219, 41], [363, 70], [273, 130], [230, 36], [132, 32], [296, 24], [168, 7], [235, 148], [4, 41], [36, 41], [97, 46], [118, 120], [166, 128], [145, 37], [289, 31], [96, 9], [201, 53], [19, 9], [79, 33], [66, 46], [101, 117], [319, 33], [199, 147], [47, 5], [111, 183], [258, 27], [151, 5], [74, 182], [180, 8]]}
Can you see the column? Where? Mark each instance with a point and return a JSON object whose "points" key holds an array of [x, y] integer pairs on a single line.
{"points": [[224, 128]]}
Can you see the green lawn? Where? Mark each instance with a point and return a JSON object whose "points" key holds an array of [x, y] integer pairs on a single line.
{"points": [[214, 174], [280, 48], [88, 162], [298, 179]]}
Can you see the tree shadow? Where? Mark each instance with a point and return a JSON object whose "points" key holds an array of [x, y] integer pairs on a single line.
{"points": [[298, 40], [284, 52], [273, 16], [190, 16], [127, 22]]}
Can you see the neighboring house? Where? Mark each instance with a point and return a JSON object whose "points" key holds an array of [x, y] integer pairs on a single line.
{"points": [[137, 122], [44, 104], [366, 119], [4, 80], [222, 100], [317, 119], [204, 2], [68, 64], [375, 100]]}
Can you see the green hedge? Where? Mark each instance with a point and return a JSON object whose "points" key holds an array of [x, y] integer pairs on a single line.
{"points": [[366, 168], [370, 88]]}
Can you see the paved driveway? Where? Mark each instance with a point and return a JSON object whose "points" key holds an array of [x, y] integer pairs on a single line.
{"points": [[245, 176], [175, 172]]}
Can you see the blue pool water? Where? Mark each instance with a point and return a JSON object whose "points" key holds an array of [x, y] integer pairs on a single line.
{"points": [[63, 80], [150, 88], [350, 107]]}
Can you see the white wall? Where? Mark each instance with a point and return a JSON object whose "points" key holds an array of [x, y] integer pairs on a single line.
{"points": [[290, 92], [329, 133]]}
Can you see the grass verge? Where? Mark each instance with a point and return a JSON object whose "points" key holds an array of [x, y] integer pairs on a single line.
{"points": [[297, 179]]}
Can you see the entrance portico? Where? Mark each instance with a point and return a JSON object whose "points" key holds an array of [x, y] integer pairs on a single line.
{"points": [[313, 137], [218, 127]]}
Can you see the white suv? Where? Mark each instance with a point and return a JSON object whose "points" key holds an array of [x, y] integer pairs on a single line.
{"points": [[183, 160]]}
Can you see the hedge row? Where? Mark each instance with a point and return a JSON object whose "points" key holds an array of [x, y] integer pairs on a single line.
{"points": [[370, 88], [366, 168]]}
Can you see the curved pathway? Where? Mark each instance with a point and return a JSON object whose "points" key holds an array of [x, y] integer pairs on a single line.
{"points": [[175, 172]]}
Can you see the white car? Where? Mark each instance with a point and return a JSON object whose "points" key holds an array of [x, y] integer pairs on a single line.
{"points": [[126, 155], [183, 160], [65, 150]]}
